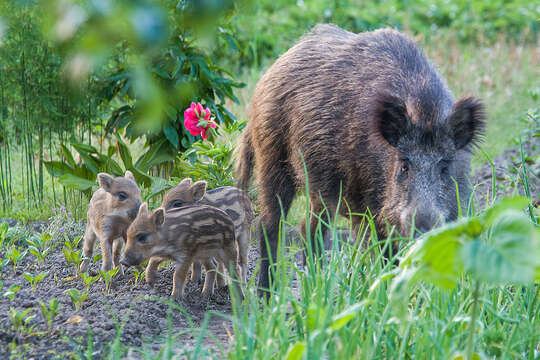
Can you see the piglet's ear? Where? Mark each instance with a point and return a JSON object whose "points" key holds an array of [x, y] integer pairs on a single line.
{"points": [[158, 216], [198, 190], [186, 181], [129, 175], [391, 118], [467, 122], [143, 210], [105, 181]]}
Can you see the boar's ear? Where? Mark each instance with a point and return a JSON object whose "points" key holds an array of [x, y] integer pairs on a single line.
{"points": [[105, 181], [158, 216], [467, 122], [129, 175], [198, 190], [186, 181], [143, 210], [391, 118]]}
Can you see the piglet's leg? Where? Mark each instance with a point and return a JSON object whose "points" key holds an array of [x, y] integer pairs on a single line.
{"points": [[210, 278], [228, 256], [179, 279], [88, 247], [106, 253], [117, 252], [221, 279], [151, 270], [196, 272]]}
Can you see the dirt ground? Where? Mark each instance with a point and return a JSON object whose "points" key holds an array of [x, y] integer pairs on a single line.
{"points": [[143, 315]]}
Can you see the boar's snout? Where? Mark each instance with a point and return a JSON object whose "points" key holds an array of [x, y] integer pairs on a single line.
{"points": [[424, 221]]}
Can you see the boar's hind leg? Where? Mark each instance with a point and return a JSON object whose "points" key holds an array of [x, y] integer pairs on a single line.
{"points": [[179, 279], [277, 191], [117, 252], [88, 247], [243, 249], [318, 210]]}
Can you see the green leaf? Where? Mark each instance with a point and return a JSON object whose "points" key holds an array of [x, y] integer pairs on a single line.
{"points": [[67, 156], [57, 168], [125, 154], [84, 148], [296, 352], [515, 203], [511, 255], [171, 134], [76, 182], [341, 319]]}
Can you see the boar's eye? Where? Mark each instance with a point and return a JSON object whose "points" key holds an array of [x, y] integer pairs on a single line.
{"points": [[122, 196], [142, 238], [404, 166], [444, 164]]}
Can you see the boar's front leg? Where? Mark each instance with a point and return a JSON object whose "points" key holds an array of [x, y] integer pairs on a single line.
{"points": [[196, 272], [179, 279]]}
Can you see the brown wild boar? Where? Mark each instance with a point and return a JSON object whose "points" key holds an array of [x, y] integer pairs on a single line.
{"points": [[184, 235], [111, 210], [233, 201], [371, 119]]}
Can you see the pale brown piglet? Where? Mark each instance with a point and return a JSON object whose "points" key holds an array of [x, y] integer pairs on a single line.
{"points": [[111, 210]]}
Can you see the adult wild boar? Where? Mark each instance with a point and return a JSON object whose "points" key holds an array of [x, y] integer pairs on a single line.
{"points": [[372, 119]]}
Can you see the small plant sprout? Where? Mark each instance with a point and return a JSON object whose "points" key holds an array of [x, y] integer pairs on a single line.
{"points": [[3, 263], [72, 256], [34, 279], [15, 256], [12, 291], [137, 274], [88, 280], [38, 246], [49, 312], [108, 277], [78, 297], [20, 321]]}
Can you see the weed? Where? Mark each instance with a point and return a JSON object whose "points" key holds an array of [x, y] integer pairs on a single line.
{"points": [[88, 280], [49, 312], [34, 279], [108, 277], [78, 297], [15, 256], [20, 321], [39, 246], [12, 291]]}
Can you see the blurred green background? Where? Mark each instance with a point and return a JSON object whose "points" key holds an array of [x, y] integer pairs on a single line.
{"points": [[98, 85]]}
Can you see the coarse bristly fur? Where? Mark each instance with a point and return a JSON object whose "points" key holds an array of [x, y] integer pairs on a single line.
{"points": [[111, 210], [372, 119], [233, 201], [184, 235]]}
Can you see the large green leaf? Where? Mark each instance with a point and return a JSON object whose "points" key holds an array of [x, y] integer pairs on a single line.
{"points": [[57, 168], [171, 134], [76, 182], [67, 156], [510, 255], [125, 154]]}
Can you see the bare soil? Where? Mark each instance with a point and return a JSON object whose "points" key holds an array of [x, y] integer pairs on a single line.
{"points": [[141, 317]]}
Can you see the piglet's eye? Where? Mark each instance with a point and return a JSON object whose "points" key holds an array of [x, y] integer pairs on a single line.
{"points": [[178, 204], [122, 196], [142, 238]]}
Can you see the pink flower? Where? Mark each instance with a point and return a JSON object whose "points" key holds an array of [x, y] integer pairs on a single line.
{"points": [[197, 120]]}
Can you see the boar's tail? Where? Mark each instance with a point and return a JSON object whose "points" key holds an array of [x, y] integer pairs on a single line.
{"points": [[245, 161]]}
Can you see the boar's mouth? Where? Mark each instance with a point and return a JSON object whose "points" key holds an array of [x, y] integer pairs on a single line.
{"points": [[131, 261], [132, 213]]}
